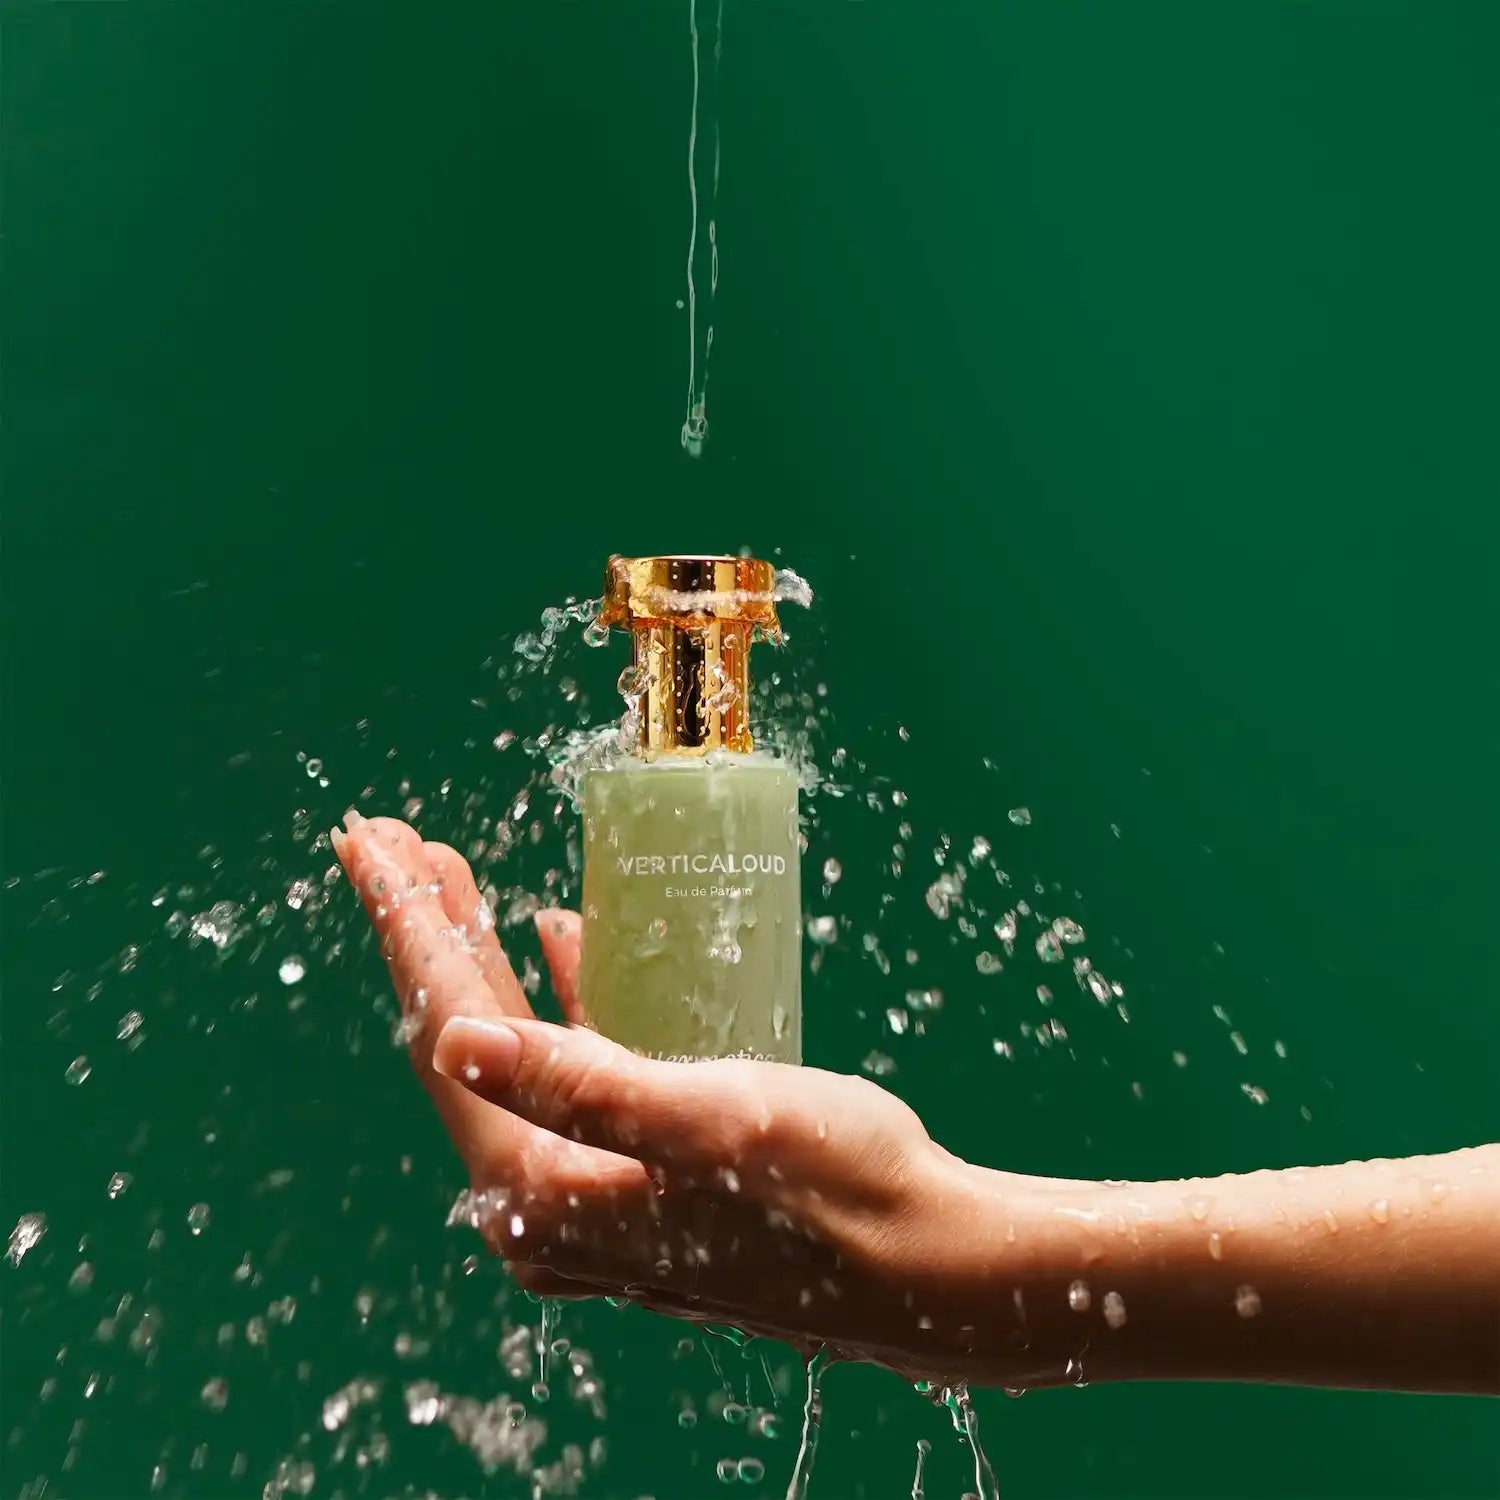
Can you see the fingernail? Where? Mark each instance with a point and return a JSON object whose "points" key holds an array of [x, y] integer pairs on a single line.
{"points": [[352, 819], [336, 835], [473, 1051]]}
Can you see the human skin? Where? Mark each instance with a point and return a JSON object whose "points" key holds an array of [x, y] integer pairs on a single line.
{"points": [[814, 1207]]}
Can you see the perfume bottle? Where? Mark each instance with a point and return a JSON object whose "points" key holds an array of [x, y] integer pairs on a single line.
{"points": [[692, 911]]}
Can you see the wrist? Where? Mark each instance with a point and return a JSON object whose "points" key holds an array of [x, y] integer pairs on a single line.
{"points": [[996, 1276], [1092, 1281]]}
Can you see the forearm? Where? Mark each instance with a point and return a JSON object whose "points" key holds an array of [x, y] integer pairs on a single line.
{"points": [[1379, 1274]]}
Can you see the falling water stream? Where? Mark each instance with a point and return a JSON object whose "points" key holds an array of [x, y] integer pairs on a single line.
{"points": [[702, 248]]}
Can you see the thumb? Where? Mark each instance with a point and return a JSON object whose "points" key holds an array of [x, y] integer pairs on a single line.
{"points": [[695, 1116], [561, 933]]}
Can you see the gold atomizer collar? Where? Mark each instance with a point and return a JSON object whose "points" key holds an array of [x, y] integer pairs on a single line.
{"points": [[691, 622]]}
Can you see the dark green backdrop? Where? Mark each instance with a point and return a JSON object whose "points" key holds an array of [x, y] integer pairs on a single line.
{"points": [[1123, 378]]}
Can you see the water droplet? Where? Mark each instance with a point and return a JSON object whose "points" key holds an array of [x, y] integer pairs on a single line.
{"points": [[1380, 1211], [215, 1394], [198, 1217], [336, 1411], [130, 1023], [29, 1229], [792, 588], [728, 1470], [424, 1403], [1049, 947], [833, 872], [1068, 930], [687, 1417], [878, 1065], [898, 1020], [118, 1183], [1246, 1301], [988, 963], [945, 892], [292, 969], [924, 1000], [1079, 1296], [1254, 1093], [822, 930], [218, 925], [1198, 1206], [1020, 816], [595, 633], [1216, 1245], [1114, 1309], [77, 1070], [751, 1471], [1438, 1192]]}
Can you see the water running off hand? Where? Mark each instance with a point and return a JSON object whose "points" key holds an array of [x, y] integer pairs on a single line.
{"points": [[812, 1420]]}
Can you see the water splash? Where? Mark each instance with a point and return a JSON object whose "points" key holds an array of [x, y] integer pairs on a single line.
{"points": [[253, 947]]}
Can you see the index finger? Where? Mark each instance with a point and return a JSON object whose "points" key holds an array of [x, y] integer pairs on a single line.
{"points": [[470, 912], [435, 975]]}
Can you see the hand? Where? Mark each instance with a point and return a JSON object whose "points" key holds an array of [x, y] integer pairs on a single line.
{"points": [[815, 1208], [787, 1201]]}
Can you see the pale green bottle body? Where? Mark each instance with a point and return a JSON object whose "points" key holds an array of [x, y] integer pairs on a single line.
{"points": [[692, 906]]}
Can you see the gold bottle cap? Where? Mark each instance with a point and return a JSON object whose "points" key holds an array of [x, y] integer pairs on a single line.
{"points": [[680, 591], [691, 622]]}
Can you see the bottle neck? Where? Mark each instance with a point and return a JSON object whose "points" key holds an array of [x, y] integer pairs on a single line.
{"points": [[693, 683]]}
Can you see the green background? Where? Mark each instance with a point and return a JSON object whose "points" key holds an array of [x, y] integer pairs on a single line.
{"points": [[1123, 379]]}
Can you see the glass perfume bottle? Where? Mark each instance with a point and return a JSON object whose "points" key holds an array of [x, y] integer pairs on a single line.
{"points": [[692, 911]]}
